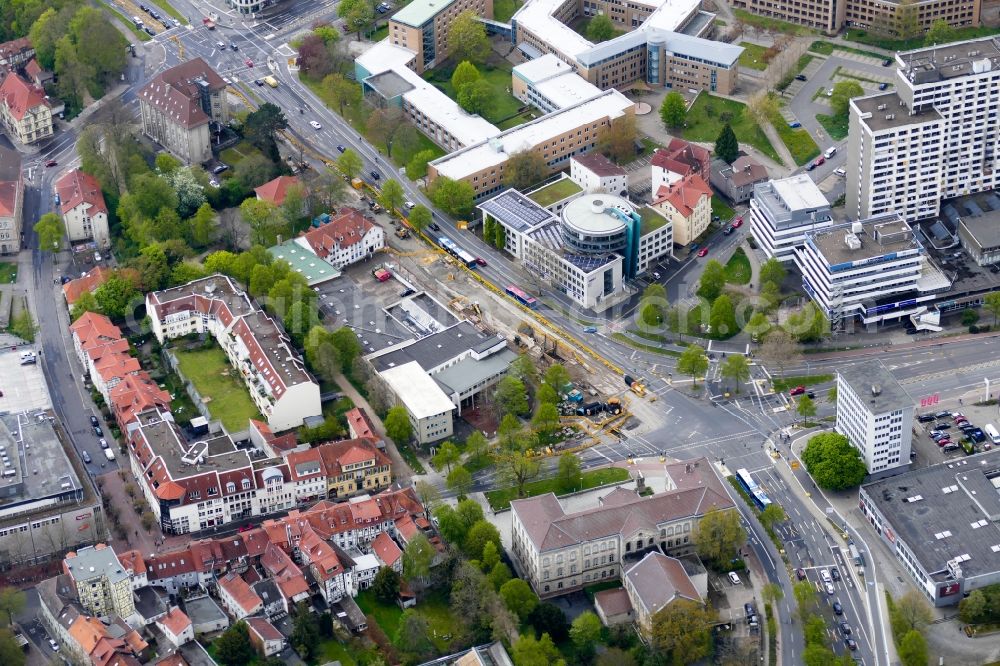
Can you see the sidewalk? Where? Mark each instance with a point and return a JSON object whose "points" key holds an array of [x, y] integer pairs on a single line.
{"points": [[403, 473]]}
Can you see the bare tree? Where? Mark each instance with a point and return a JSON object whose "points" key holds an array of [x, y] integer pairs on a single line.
{"points": [[779, 349]]}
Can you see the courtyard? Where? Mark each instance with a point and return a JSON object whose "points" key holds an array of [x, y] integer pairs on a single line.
{"points": [[219, 386]]}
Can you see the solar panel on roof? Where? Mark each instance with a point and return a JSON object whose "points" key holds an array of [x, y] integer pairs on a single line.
{"points": [[516, 210]]}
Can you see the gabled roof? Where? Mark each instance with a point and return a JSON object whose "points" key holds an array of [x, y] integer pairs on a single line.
{"points": [[659, 580], [745, 171], [599, 164], [91, 325], [20, 97], [264, 629], [175, 621], [283, 570], [321, 555], [344, 230], [386, 550], [275, 190], [76, 188], [88, 282], [177, 92], [237, 588], [684, 194], [9, 192]]}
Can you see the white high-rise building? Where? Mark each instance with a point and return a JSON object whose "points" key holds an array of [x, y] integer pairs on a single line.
{"points": [[872, 270], [875, 413], [935, 137], [782, 211]]}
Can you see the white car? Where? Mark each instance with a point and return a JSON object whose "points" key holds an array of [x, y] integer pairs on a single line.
{"points": [[315, 125], [829, 588], [829, 92], [409, 205], [734, 578], [841, 171], [213, 183], [53, 645]]}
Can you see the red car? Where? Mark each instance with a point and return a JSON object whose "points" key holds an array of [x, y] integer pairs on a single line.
{"points": [[943, 442], [737, 223], [702, 252], [480, 261], [820, 160], [51, 163], [798, 390], [248, 62]]}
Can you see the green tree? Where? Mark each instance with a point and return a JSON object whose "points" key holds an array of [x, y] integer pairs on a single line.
{"points": [[940, 32], [600, 28], [202, 226], [261, 126], [348, 347], [420, 217], [912, 610], [341, 92], [190, 193], [683, 629], [416, 168], [736, 369], [350, 163], [509, 397], [557, 376], [357, 14], [693, 363], [843, 92], [723, 317], [546, 419], [817, 655], [547, 395], [523, 367], [386, 585], [86, 302], [814, 630], [447, 455], [460, 481], [265, 220], [516, 469], [10, 652], [772, 592], [772, 515], [757, 326], [490, 557], [23, 326], [398, 426], [773, 271], [547, 618], [805, 598], [617, 139], [713, 280], [913, 649], [476, 97], [969, 317], [719, 535], [50, 230], [413, 635], [975, 608], [991, 304], [464, 73], [480, 533], [116, 296], [305, 636], [417, 558], [519, 597], [833, 463], [392, 196], [805, 407], [476, 445], [467, 40], [523, 169], [529, 651], [166, 163], [152, 266], [569, 477], [673, 110], [454, 197], [498, 575], [233, 647], [585, 632], [727, 148], [653, 306], [321, 354]]}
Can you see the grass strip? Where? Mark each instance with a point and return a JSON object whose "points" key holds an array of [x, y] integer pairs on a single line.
{"points": [[786, 383], [624, 339], [500, 499]]}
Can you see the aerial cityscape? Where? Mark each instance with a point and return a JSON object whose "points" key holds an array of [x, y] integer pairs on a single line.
{"points": [[499, 332]]}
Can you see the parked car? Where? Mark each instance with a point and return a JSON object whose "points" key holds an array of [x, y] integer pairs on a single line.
{"points": [[942, 415], [51, 163], [800, 574], [86, 457], [811, 394], [795, 125], [702, 252], [734, 578], [53, 645], [840, 171], [737, 223], [801, 77], [93, 421], [925, 418], [887, 62], [829, 589], [883, 86], [98, 431], [798, 390], [104, 443], [248, 62]]}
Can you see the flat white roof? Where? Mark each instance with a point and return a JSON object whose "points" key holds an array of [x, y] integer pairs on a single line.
{"points": [[492, 152], [438, 107], [420, 394], [672, 14], [799, 192], [542, 68], [536, 17], [556, 81]]}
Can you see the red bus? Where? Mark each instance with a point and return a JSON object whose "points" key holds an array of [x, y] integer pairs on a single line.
{"points": [[518, 295]]}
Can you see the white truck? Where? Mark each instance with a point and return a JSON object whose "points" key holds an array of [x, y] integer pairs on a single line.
{"points": [[109, 454]]}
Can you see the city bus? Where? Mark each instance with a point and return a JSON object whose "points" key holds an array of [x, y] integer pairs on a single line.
{"points": [[760, 499], [521, 297]]}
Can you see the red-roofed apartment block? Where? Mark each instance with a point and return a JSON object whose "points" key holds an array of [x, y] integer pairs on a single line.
{"points": [[237, 597], [256, 345], [86, 284], [687, 204], [83, 209], [24, 110], [348, 237]]}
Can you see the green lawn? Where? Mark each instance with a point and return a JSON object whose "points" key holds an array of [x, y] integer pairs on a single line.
{"points": [[497, 74], [961, 34], [803, 61], [225, 395], [433, 607], [771, 24], [800, 380], [753, 56], [379, 34], [8, 272], [579, 25], [518, 119], [333, 650], [827, 48], [835, 126], [504, 9], [127, 22], [500, 499], [625, 340], [709, 115], [165, 6], [722, 209], [798, 141], [554, 192], [738, 269], [236, 154]]}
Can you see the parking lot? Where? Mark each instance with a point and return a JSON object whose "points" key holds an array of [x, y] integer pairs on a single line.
{"points": [[929, 452]]}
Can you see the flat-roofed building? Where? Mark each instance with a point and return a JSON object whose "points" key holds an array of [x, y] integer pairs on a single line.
{"points": [[550, 84], [980, 236], [782, 211], [427, 405], [875, 413], [11, 201], [423, 25], [558, 552], [941, 523], [873, 15]]}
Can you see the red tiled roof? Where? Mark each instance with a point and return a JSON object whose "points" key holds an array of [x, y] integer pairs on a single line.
{"points": [[9, 191], [20, 97], [33, 69], [88, 282], [336, 455], [165, 565], [132, 561], [348, 228], [386, 549], [275, 190], [682, 157], [264, 629], [175, 621], [76, 188], [684, 194], [320, 554], [359, 423], [287, 576], [91, 325], [170, 491], [15, 47], [241, 593], [177, 94]]}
